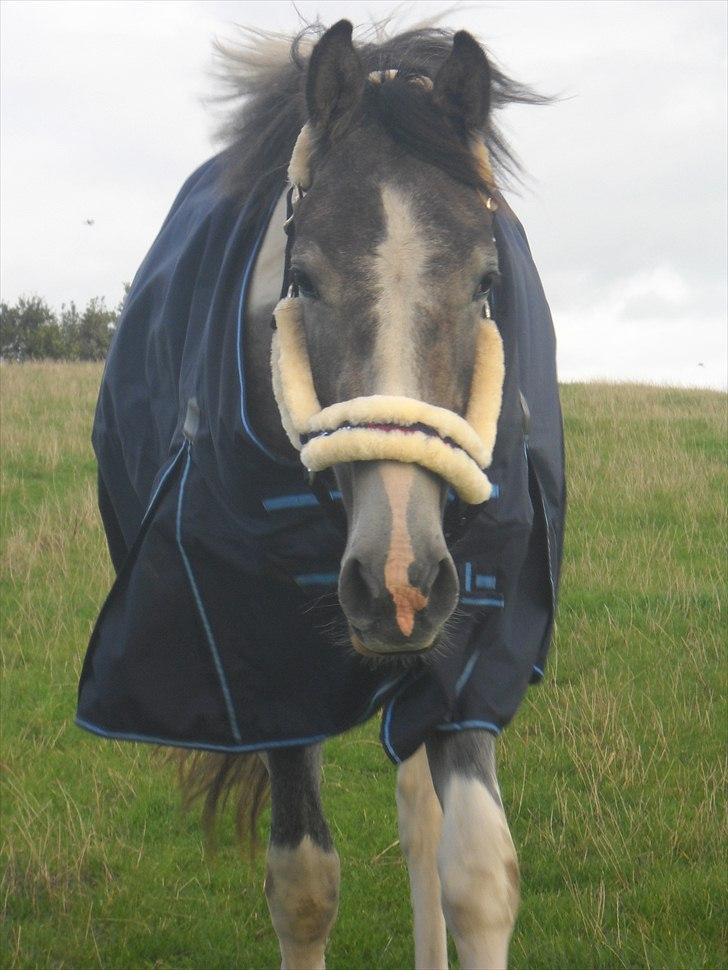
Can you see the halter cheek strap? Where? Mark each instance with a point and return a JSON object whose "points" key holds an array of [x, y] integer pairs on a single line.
{"points": [[382, 427]]}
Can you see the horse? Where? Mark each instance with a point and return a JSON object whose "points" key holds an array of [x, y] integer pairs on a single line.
{"points": [[338, 330]]}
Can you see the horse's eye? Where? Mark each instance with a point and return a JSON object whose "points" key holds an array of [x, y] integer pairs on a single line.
{"points": [[303, 282], [484, 286]]}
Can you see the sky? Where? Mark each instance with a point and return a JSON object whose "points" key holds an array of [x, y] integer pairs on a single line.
{"points": [[105, 113]]}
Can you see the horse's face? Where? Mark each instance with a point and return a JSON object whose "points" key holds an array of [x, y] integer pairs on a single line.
{"points": [[393, 258]]}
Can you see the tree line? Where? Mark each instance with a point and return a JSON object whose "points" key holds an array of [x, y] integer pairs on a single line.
{"points": [[31, 330]]}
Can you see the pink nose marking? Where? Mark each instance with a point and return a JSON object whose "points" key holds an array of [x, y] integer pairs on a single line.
{"points": [[408, 600]]}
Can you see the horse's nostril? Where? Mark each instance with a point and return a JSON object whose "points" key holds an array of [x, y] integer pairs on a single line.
{"points": [[355, 591], [444, 590], [424, 576]]}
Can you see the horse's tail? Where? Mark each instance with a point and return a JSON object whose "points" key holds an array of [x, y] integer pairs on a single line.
{"points": [[216, 779]]}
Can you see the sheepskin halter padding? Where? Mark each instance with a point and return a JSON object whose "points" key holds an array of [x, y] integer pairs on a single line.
{"points": [[384, 426], [381, 426]]}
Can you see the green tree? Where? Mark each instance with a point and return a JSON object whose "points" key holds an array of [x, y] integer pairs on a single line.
{"points": [[70, 324], [95, 330], [9, 337], [29, 330]]}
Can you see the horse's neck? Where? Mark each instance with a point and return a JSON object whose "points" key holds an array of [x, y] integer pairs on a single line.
{"points": [[263, 294]]}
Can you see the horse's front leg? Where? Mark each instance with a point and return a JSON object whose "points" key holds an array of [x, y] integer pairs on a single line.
{"points": [[302, 878], [476, 858], [420, 821]]}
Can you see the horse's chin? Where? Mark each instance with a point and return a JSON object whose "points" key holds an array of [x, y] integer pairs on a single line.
{"points": [[380, 653]]}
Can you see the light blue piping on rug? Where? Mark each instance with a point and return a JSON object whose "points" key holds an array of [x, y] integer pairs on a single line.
{"points": [[278, 502], [372, 706], [386, 739], [303, 500], [231, 748], [466, 672], [316, 579], [548, 543], [198, 745], [485, 582], [161, 482], [201, 608], [482, 601], [469, 725]]}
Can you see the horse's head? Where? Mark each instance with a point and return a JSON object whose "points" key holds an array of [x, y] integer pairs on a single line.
{"points": [[393, 258]]}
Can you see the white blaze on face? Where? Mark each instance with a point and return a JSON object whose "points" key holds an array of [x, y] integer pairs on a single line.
{"points": [[399, 274]]}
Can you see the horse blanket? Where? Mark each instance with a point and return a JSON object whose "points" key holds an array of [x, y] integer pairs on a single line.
{"points": [[216, 634]]}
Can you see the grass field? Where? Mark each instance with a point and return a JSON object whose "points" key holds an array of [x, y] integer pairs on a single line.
{"points": [[613, 773]]}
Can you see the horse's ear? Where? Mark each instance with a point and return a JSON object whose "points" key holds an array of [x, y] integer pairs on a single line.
{"points": [[336, 77], [462, 85]]}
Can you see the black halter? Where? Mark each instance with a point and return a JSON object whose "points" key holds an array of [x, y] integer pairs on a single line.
{"points": [[288, 285]]}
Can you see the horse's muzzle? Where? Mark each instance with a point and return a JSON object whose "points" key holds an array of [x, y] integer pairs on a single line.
{"points": [[396, 619]]}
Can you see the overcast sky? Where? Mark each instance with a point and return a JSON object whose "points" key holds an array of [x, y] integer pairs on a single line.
{"points": [[103, 117]]}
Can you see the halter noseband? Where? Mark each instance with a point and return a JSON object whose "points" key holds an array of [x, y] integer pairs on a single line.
{"points": [[382, 426]]}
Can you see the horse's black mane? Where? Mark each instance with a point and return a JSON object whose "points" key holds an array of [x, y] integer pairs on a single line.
{"points": [[267, 73]]}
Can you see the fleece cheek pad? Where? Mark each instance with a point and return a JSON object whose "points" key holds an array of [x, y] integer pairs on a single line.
{"points": [[390, 427]]}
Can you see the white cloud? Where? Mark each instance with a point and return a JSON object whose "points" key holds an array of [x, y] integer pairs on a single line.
{"points": [[103, 118], [681, 350]]}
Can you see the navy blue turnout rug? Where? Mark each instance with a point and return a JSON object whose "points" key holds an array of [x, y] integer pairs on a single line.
{"points": [[217, 632]]}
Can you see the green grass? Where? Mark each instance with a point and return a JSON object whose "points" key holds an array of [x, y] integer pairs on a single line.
{"points": [[613, 773]]}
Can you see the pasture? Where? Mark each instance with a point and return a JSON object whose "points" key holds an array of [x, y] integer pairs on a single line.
{"points": [[613, 773]]}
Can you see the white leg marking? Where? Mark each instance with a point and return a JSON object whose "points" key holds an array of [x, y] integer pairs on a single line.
{"points": [[479, 875], [302, 887], [399, 272], [420, 821]]}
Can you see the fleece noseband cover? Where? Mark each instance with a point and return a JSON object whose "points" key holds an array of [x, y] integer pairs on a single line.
{"points": [[389, 427]]}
